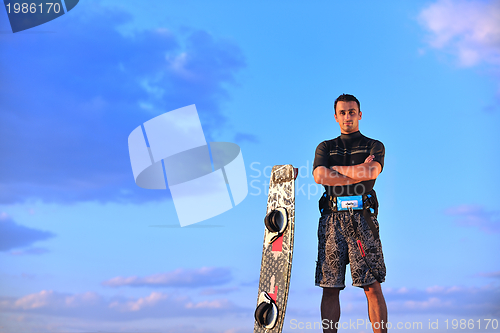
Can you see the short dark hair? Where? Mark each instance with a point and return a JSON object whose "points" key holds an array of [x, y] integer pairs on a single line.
{"points": [[345, 98]]}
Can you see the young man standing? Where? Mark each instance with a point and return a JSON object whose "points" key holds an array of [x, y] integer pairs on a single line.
{"points": [[347, 166]]}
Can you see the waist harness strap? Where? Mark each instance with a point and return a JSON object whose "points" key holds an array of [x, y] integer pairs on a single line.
{"points": [[370, 208], [329, 204]]}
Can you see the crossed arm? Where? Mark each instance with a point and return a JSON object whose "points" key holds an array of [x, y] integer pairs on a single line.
{"points": [[345, 175]]}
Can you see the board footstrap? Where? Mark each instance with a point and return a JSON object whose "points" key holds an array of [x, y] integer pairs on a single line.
{"points": [[266, 313]]}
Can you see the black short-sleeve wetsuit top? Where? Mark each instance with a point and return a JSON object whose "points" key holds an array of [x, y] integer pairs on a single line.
{"points": [[349, 149]]}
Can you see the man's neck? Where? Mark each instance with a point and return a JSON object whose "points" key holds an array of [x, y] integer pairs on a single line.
{"points": [[350, 135]]}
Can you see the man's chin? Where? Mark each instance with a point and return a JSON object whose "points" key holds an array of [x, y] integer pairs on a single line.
{"points": [[349, 130]]}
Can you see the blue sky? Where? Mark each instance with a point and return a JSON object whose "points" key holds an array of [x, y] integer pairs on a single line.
{"points": [[82, 248]]}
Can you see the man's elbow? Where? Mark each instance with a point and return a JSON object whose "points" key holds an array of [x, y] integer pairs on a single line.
{"points": [[374, 170], [318, 175]]}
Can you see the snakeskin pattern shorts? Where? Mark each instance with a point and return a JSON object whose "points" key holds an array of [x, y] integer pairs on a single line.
{"points": [[337, 248]]}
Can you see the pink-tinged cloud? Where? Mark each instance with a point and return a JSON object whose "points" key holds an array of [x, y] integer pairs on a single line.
{"points": [[48, 300], [29, 251], [192, 278], [469, 30], [455, 300], [476, 216], [92, 306], [491, 274]]}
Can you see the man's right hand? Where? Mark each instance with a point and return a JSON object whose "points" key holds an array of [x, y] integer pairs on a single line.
{"points": [[370, 158]]}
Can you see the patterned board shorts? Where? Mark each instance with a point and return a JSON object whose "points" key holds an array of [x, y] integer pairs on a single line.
{"points": [[337, 248]]}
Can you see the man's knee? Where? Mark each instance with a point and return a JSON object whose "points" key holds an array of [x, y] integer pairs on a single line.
{"points": [[374, 289], [331, 292]]}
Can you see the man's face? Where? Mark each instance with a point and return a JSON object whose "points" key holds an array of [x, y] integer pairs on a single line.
{"points": [[348, 115]]}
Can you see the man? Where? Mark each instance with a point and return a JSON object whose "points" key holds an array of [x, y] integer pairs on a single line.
{"points": [[348, 229]]}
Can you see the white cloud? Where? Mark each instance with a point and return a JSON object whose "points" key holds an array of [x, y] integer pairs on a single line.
{"points": [[469, 30]]}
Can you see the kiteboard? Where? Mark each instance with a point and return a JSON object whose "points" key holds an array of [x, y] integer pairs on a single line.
{"points": [[277, 251]]}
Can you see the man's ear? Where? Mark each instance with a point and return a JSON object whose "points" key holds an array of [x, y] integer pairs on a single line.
{"points": [[360, 114], [335, 115]]}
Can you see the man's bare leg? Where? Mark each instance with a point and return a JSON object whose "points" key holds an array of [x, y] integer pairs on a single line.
{"points": [[377, 309], [330, 309]]}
